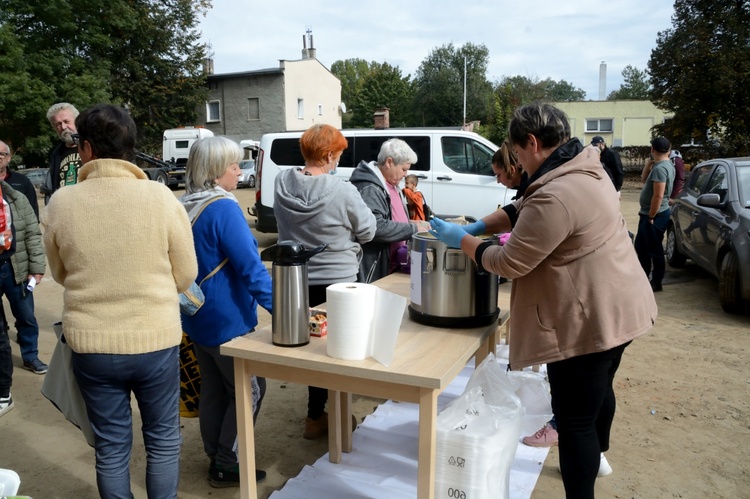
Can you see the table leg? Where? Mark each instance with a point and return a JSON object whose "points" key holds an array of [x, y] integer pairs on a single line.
{"points": [[346, 421], [427, 443], [245, 432], [334, 426]]}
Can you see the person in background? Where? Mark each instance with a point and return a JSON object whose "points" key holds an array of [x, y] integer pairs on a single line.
{"points": [[22, 184], [610, 161], [25, 265], [658, 177], [312, 208], [64, 161], [6, 355], [574, 273], [377, 183], [121, 247], [414, 199], [507, 170], [679, 174], [232, 295], [16, 180]]}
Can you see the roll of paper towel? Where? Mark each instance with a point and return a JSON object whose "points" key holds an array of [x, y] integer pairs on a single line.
{"points": [[351, 309]]}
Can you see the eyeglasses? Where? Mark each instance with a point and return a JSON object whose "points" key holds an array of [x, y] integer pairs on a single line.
{"points": [[4, 154], [76, 139]]}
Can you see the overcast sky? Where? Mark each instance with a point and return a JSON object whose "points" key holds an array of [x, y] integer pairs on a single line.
{"points": [[559, 39]]}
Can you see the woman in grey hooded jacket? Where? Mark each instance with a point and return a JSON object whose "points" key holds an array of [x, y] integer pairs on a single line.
{"points": [[313, 208]]}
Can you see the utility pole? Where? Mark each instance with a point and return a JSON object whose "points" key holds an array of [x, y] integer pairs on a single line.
{"points": [[464, 91]]}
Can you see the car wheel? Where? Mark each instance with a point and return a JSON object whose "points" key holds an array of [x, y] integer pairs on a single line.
{"points": [[251, 181], [674, 257], [729, 284]]}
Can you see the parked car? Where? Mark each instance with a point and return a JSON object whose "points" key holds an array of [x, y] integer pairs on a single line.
{"points": [[248, 173], [710, 224], [37, 176]]}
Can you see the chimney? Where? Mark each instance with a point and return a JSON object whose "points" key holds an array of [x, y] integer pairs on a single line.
{"points": [[603, 81], [308, 51], [382, 118], [208, 66]]}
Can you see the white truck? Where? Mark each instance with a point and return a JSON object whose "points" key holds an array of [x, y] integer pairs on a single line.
{"points": [[170, 168], [177, 143]]}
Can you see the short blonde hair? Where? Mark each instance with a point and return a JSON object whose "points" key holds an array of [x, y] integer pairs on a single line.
{"points": [[208, 160]]}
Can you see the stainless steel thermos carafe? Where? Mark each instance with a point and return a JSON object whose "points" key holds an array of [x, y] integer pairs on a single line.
{"points": [[290, 323]]}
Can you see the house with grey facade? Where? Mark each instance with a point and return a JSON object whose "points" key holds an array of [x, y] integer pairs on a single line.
{"points": [[294, 96]]}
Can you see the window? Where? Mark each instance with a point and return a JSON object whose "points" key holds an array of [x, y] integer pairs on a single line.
{"points": [[464, 155], [599, 125], [699, 178], [301, 109], [253, 109], [320, 109], [366, 149], [213, 111], [719, 183]]}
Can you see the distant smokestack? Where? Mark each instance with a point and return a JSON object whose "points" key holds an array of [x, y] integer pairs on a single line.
{"points": [[603, 80], [208, 66], [308, 51], [381, 118]]}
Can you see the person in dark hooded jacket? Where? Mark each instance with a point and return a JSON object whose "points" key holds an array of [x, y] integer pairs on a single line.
{"points": [[377, 183]]}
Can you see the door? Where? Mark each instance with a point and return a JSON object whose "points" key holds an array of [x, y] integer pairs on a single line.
{"points": [[463, 182]]}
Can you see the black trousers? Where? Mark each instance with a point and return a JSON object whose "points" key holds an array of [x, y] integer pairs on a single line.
{"points": [[316, 397], [583, 402]]}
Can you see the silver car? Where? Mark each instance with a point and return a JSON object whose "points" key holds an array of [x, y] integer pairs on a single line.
{"points": [[248, 173], [710, 224]]}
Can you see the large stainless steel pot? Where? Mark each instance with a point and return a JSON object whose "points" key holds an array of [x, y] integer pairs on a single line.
{"points": [[446, 288]]}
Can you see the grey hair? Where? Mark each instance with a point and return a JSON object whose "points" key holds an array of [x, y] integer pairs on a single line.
{"points": [[543, 121], [208, 160], [398, 150], [61, 106]]}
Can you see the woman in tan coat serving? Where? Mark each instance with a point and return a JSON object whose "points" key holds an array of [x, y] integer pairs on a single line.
{"points": [[579, 295]]}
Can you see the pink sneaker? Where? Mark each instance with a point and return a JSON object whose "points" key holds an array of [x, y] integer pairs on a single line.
{"points": [[546, 437]]}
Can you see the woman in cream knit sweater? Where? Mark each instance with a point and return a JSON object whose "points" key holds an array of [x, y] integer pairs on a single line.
{"points": [[122, 247]]}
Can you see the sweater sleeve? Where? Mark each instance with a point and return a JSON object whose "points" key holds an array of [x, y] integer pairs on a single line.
{"points": [[181, 248], [362, 219], [238, 244]]}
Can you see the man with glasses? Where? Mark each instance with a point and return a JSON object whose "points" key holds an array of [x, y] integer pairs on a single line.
{"points": [[64, 159], [19, 182]]}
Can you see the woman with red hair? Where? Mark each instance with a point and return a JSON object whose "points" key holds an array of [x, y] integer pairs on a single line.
{"points": [[313, 207]]}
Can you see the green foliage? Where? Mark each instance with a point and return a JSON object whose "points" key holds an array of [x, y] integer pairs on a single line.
{"points": [[352, 73], [143, 54], [439, 86], [383, 86], [635, 86], [700, 70]]}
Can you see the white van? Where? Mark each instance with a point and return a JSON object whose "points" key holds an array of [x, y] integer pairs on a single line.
{"points": [[454, 168], [178, 141]]}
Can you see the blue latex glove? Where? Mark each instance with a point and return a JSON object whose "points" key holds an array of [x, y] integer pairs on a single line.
{"points": [[450, 234], [475, 229]]}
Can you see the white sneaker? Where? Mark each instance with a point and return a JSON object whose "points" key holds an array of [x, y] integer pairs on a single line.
{"points": [[6, 404]]}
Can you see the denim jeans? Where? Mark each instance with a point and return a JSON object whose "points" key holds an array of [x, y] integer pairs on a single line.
{"points": [[649, 247], [6, 362], [21, 303], [583, 402], [106, 382]]}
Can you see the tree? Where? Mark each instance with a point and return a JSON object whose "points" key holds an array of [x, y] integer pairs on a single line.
{"points": [[139, 53], [439, 86], [351, 73], [383, 86], [700, 70], [635, 86]]}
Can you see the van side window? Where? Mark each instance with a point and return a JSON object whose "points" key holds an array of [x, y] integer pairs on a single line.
{"points": [[287, 152], [463, 155], [367, 149]]}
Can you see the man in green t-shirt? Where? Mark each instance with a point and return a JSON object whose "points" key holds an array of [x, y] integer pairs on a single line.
{"points": [[658, 177]]}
